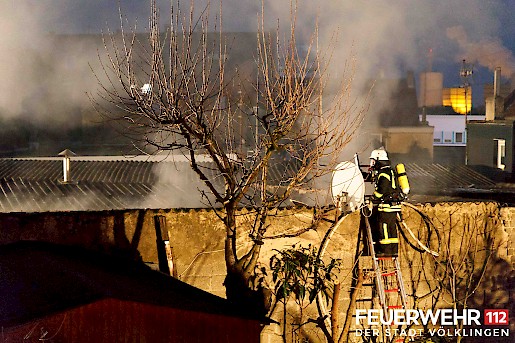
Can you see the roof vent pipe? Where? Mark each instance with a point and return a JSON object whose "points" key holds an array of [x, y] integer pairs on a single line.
{"points": [[66, 154], [498, 98], [497, 82], [494, 104]]}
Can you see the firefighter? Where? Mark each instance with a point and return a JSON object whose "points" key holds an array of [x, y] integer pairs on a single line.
{"points": [[387, 199]]}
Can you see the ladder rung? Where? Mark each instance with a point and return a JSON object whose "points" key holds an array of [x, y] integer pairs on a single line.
{"points": [[391, 290], [385, 258], [389, 273]]}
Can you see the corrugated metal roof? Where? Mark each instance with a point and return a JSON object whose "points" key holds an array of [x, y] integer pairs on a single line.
{"points": [[19, 195], [435, 183], [93, 171], [33, 185], [434, 177]]}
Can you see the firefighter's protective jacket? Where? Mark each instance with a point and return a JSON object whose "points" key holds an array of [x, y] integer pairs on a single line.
{"points": [[387, 196], [386, 192]]}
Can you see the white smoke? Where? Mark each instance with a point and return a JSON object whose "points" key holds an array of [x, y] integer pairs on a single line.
{"points": [[179, 186], [488, 52], [389, 37], [44, 74], [20, 42], [386, 38]]}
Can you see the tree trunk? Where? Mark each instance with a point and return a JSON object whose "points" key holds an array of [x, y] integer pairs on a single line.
{"points": [[352, 307], [239, 287]]}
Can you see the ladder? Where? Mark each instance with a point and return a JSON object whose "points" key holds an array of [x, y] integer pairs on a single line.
{"points": [[383, 277], [388, 277]]}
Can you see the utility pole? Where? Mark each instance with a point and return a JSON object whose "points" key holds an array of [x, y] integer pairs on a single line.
{"points": [[465, 74]]}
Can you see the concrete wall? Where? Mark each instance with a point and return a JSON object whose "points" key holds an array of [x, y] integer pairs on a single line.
{"points": [[196, 237], [469, 235], [409, 140], [475, 232]]}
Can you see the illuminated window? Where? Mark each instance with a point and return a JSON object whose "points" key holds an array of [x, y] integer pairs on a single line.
{"points": [[460, 99]]}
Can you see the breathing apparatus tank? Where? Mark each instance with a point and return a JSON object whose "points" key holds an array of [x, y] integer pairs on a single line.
{"points": [[402, 178]]}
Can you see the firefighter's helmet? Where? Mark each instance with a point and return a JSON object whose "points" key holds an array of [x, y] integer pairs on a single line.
{"points": [[379, 155]]}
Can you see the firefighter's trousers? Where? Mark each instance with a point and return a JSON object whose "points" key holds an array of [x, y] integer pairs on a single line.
{"points": [[384, 229]]}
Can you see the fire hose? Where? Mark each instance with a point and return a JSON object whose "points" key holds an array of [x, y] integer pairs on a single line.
{"points": [[423, 247]]}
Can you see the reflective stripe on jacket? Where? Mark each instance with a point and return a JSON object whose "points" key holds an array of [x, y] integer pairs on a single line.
{"points": [[387, 239], [384, 207], [386, 185]]}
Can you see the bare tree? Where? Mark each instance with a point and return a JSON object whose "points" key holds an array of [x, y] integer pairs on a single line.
{"points": [[467, 238], [448, 254], [173, 91], [466, 256]]}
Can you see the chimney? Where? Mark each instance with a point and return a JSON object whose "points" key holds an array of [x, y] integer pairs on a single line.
{"points": [[495, 104], [66, 154], [498, 98], [497, 82]]}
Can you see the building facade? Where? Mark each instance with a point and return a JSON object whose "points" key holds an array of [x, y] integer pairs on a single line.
{"points": [[491, 145], [450, 129]]}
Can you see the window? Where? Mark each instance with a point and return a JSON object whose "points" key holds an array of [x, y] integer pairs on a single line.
{"points": [[437, 136], [499, 153], [460, 98], [448, 136], [458, 138]]}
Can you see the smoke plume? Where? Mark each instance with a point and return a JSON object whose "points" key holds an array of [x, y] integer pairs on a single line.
{"points": [[45, 76], [44, 72], [488, 52]]}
